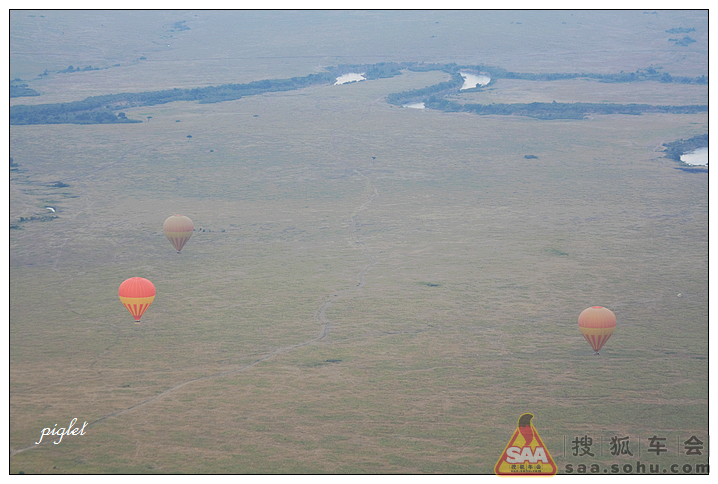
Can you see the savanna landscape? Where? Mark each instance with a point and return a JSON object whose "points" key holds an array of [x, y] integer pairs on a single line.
{"points": [[370, 288]]}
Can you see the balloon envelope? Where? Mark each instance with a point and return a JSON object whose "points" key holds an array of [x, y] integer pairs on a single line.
{"points": [[597, 325], [137, 294], [178, 230]]}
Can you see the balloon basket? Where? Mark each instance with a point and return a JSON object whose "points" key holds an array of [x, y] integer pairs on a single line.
{"points": [[596, 353]]}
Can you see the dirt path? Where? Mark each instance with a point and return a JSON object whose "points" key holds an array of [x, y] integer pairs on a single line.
{"points": [[320, 315]]}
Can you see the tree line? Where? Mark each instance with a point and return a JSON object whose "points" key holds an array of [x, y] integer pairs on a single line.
{"points": [[106, 108], [18, 89], [556, 110], [416, 95]]}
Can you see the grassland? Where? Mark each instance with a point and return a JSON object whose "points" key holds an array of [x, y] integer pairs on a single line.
{"points": [[374, 289]]}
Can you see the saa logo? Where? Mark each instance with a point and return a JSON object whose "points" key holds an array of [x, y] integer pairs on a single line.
{"points": [[525, 454]]}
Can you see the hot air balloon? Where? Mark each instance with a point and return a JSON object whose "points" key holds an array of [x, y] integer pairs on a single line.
{"points": [[178, 229], [596, 324], [137, 294]]}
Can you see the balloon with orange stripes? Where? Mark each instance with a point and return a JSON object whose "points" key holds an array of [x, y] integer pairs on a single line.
{"points": [[137, 293], [178, 230], [597, 325]]}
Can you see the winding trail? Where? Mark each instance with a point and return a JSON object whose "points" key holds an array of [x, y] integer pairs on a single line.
{"points": [[319, 316]]}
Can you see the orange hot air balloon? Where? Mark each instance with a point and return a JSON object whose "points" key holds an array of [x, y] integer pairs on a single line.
{"points": [[178, 229], [597, 325], [137, 294]]}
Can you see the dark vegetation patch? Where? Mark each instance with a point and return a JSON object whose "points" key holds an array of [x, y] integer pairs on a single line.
{"points": [[430, 284], [35, 218], [680, 30], [315, 364], [18, 89], [78, 69], [554, 251], [179, 26], [684, 41], [556, 110], [693, 169]]}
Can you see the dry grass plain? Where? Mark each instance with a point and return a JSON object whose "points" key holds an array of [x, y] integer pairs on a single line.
{"points": [[374, 289]]}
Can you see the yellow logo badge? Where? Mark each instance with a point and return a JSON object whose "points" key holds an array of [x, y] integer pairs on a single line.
{"points": [[525, 454]]}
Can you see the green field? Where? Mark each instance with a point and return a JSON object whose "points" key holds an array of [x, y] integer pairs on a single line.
{"points": [[370, 289]]}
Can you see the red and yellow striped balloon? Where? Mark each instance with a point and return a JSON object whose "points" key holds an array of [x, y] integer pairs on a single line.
{"points": [[178, 229], [137, 294], [597, 325]]}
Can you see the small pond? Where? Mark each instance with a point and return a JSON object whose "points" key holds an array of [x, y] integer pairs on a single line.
{"points": [[697, 157], [473, 80], [351, 77]]}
